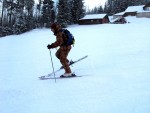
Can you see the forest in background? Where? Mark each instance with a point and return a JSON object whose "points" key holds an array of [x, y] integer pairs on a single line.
{"points": [[19, 16], [116, 6]]}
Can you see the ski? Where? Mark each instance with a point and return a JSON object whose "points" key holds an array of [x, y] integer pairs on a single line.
{"points": [[71, 63], [45, 78]]}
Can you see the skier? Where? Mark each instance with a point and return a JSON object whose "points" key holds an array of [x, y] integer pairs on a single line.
{"points": [[63, 51]]}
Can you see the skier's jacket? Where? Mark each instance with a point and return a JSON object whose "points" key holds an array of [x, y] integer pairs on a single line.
{"points": [[64, 39]]}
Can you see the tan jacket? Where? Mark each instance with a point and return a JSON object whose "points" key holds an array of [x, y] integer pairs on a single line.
{"points": [[60, 37]]}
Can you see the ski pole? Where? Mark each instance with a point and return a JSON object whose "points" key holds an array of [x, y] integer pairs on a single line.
{"points": [[52, 65]]}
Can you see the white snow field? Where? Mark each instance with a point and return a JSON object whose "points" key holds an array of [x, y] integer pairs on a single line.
{"points": [[116, 74]]}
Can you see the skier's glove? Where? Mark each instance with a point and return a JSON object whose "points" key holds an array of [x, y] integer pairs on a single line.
{"points": [[49, 46]]}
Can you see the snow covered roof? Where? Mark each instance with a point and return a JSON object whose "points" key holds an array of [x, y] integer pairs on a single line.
{"points": [[121, 13], [115, 19], [94, 16], [137, 9], [134, 8]]}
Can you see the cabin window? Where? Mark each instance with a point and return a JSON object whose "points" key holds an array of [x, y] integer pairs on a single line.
{"points": [[148, 9]]}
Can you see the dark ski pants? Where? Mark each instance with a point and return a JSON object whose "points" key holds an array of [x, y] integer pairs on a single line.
{"points": [[62, 54]]}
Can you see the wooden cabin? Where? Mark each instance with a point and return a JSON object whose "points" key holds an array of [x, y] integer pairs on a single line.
{"points": [[145, 12], [132, 10], [94, 19], [147, 7], [138, 11]]}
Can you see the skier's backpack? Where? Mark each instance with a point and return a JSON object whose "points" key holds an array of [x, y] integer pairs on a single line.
{"points": [[70, 38]]}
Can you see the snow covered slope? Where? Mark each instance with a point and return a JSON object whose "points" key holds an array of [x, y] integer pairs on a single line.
{"points": [[117, 67]]}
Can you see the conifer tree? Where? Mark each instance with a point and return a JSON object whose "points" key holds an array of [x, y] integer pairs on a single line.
{"points": [[20, 25], [2, 11], [100, 10], [10, 4], [47, 12], [63, 15], [77, 10], [38, 15]]}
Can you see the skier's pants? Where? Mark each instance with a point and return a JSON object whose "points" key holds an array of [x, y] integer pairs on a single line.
{"points": [[62, 54]]}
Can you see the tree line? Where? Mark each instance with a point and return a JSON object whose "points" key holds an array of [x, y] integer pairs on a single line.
{"points": [[19, 16]]}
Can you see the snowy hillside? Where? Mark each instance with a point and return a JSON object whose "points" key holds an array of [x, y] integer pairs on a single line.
{"points": [[117, 69]]}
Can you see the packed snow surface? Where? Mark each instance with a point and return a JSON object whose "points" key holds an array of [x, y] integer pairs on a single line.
{"points": [[116, 74]]}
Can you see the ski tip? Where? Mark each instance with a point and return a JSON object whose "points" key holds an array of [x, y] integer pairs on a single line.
{"points": [[85, 56], [41, 78]]}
